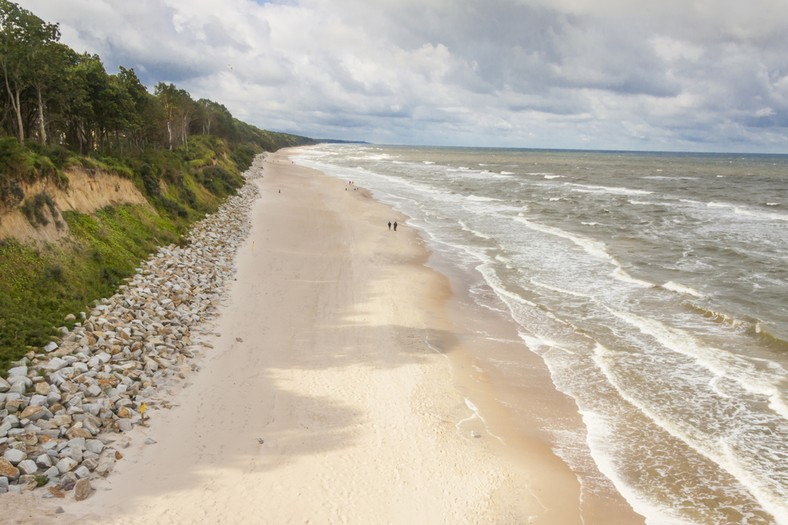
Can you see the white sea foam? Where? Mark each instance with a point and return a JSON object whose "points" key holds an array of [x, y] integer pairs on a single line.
{"points": [[624, 277], [749, 212], [773, 499], [644, 203], [599, 442], [680, 288], [475, 415], [478, 198], [614, 190], [715, 360], [559, 290], [477, 233], [590, 246]]}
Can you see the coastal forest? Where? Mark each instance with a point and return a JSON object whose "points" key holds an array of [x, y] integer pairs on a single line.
{"points": [[96, 173]]}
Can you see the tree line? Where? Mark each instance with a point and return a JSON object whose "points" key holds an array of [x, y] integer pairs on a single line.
{"points": [[54, 95]]}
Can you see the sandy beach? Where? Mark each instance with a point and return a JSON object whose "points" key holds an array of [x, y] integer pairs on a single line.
{"points": [[336, 391]]}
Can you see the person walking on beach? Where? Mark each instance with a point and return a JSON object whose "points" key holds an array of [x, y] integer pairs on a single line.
{"points": [[395, 225], [389, 225]]}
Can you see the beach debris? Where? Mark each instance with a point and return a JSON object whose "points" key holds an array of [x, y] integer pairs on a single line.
{"points": [[260, 440], [63, 407]]}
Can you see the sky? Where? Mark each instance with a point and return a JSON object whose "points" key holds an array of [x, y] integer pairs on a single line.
{"points": [[656, 75]]}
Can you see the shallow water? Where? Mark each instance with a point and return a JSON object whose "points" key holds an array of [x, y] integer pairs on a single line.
{"points": [[655, 288]]}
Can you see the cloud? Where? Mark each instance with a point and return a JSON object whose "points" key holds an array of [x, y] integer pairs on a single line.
{"points": [[709, 75]]}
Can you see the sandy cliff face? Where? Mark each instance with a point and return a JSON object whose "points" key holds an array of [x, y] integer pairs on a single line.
{"points": [[87, 192]]}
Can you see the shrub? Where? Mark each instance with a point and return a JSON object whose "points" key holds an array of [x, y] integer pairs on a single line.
{"points": [[34, 209]]}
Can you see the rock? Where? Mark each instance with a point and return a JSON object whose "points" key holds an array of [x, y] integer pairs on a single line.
{"points": [[105, 466], [82, 472], [42, 388], [17, 371], [44, 461], [94, 445], [14, 456], [15, 405], [28, 466], [50, 347], [5, 386], [82, 489], [3, 484], [54, 364], [125, 412], [33, 413], [69, 318], [78, 432], [7, 470], [38, 400], [66, 465], [68, 481]]}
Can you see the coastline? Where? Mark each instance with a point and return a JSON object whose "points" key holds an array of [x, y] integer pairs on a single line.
{"points": [[341, 387]]}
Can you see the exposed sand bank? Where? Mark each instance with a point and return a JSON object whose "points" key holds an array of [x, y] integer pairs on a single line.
{"points": [[328, 396]]}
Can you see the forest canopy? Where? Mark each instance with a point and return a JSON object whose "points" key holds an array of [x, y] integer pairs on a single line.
{"points": [[54, 95]]}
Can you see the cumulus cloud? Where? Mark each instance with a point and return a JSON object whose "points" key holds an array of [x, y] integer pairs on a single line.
{"points": [[706, 75]]}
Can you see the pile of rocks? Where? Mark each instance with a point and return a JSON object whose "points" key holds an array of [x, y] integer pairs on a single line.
{"points": [[64, 409]]}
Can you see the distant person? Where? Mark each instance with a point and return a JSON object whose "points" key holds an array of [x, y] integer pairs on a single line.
{"points": [[395, 225], [389, 225]]}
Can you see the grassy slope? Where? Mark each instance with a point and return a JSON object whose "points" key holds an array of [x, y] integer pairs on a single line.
{"points": [[39, 286]]}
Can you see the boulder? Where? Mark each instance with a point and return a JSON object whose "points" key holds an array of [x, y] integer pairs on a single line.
{"points": [[66, 465], [44, 460], [82, 489], [33, 413], [14, 456], [94, 445], [28, 466], [17, 371], [7, 470]]}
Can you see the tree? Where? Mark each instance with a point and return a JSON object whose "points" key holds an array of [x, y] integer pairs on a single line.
{"points": [[24, 42], [179, 109], [213, 118]]}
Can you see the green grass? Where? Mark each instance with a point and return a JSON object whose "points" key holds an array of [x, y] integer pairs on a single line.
{"points": [[40, 286]]}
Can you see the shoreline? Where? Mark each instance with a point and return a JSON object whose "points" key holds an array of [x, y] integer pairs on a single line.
{"points": [[483, 338], [340, 388]]}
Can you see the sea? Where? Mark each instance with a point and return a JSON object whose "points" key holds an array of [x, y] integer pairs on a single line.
{"points": [[653, 286]]}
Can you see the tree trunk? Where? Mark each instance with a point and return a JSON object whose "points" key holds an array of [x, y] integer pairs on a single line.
{"points": [[19, 122], [169, 133], [41, 125], [14, 95]]}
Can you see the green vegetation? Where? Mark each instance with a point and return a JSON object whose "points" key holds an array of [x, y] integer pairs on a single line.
{"points": [[60, 109]]}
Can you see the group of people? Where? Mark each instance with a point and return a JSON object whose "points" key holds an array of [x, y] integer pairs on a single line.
{"points": [[395, 225]]}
